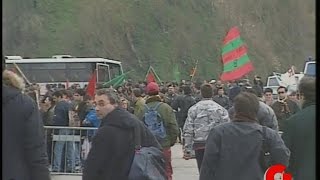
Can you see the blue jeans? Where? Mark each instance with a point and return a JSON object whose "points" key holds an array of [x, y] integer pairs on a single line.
{"points": [[77, 154], [69, 155]]}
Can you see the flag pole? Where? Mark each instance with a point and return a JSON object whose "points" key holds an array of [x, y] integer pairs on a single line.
{"points": [[21, 73], [154, 72], [148, 72], [195, 70]]}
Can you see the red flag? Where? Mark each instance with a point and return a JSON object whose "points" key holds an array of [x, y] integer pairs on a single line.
{"points": [[91, 88], [150, 77]]}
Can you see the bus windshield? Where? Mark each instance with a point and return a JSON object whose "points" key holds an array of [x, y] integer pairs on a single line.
{"points": [[62, 71]]}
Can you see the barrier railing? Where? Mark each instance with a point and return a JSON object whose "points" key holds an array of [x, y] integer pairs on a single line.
{"points": [[67, 148]]}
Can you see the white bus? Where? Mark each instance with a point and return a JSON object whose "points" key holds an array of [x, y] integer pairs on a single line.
{"points": [[63, 69]]}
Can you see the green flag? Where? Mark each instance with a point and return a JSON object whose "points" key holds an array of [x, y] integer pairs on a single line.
{"points": [[117, 81], [120, 81], [176, 73]]}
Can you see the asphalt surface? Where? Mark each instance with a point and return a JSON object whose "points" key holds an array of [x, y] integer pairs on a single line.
{"points": [[183, 169]]}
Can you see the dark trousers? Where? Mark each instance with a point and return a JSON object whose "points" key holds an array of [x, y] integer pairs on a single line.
{"points": [[168, 165], [180, 135], [199, 157]]}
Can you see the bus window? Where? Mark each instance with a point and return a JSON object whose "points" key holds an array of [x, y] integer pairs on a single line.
{"points": [[56, 72], [46, 72], [103, 73], [115, 70], [79, 72]]}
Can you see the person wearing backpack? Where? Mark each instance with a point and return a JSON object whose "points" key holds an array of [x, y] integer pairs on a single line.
{"points": [[159, 117], [113, 147], [242, 149]]}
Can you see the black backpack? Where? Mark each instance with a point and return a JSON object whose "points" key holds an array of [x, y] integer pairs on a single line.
{"points": [[148, 162]]}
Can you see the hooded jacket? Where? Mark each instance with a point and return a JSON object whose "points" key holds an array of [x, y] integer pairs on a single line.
{"points": [[233, 151], [24, 149], [112, 150], [202, 117], [265, 116]]}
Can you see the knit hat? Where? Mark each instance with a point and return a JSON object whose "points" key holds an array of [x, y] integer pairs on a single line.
{"points": [[152, 88]]}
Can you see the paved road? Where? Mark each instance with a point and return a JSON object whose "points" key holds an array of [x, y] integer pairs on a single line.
{"points": [[183, 169]]}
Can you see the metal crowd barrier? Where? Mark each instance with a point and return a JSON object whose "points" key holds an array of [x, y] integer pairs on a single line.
{"points": [[67, 148]]}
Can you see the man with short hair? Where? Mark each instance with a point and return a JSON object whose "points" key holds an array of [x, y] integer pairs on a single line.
{"points": [[284, 107], [76, 112], [181, 105], [299, 133], [138, 102], [233, 150], [268, 96], [258, 82], [169, 121], [294, 97], [66, 95], [265, 116], [196, 91], [61, 118], [171, 94], [202, 117], [222, 99], [233, 90], [113, 148]]}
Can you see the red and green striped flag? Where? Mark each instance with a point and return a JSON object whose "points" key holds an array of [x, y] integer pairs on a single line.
{"points": [[236, 62]]}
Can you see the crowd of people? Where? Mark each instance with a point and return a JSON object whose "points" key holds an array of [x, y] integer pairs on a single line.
{"points": [[220, 124]]}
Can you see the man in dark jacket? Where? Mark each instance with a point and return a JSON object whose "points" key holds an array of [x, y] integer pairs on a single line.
{"points": [[196, 91], [61, 118], [233, 149], [265, 116], [24, 148], [182, 105], [233, 90], [284, 108], [299, 133], [112, 151], [171, 95], [222, 99]]}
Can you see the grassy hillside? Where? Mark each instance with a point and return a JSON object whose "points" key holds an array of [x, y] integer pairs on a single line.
{"points": [[162, 33]]}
